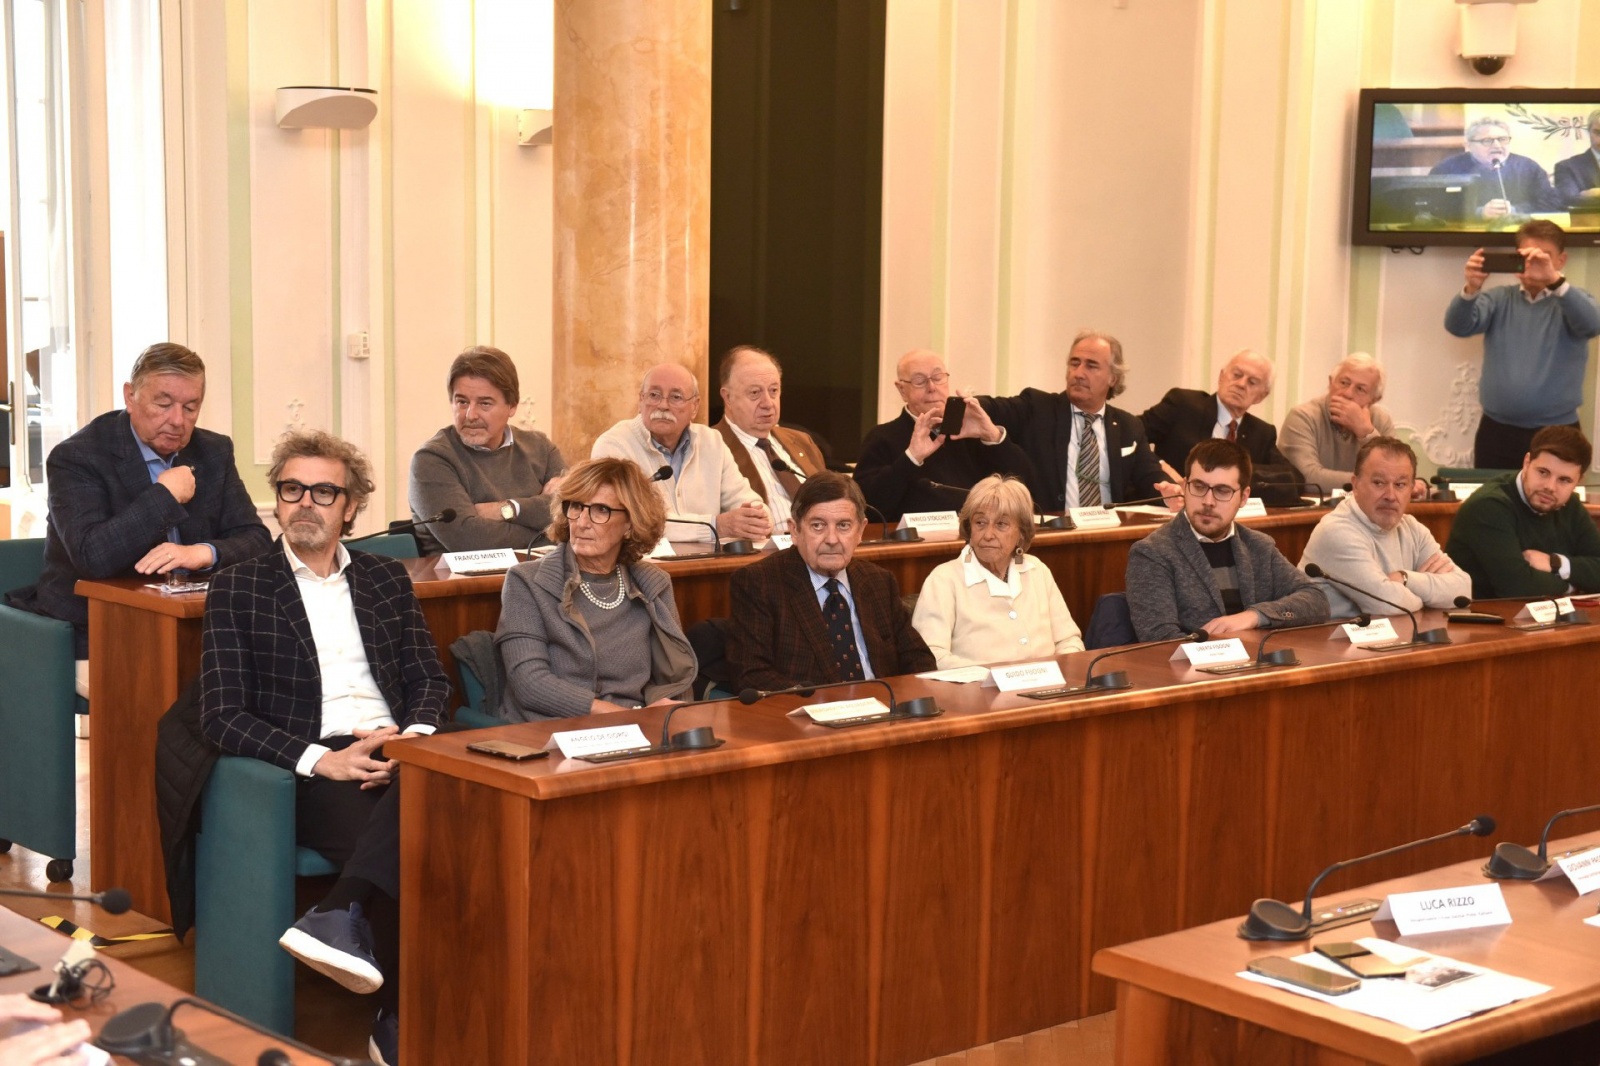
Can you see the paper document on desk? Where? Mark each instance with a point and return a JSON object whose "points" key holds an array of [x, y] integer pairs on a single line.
{"points": [[960, 675], [1433, 993]]}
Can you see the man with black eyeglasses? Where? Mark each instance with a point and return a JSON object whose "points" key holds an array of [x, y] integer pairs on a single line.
{"points": [[1204, 571], [1500, 182], [313, 657], [696, 474]]}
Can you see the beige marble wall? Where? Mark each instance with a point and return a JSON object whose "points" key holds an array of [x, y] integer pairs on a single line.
{"points": [[632, 203]]}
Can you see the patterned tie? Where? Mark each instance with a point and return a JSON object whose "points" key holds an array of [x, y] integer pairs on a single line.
{"points": [[1233, 429], [786, 476], [1088, 464], [836, 613]]}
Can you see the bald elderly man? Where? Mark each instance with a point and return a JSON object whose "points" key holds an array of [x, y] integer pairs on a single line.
{"points": [[703, 483], [1185, 417]]}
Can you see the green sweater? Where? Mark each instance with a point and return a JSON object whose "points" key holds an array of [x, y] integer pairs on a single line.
{"points": [[1494, 527]]}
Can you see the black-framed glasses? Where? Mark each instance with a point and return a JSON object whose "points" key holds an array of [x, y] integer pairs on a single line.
{"points": [[1502, 141], [1220, 493], [323, 493], [599, 513]]}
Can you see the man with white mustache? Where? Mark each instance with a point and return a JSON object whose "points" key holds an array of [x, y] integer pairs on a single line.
{"points": [[704, 484]]}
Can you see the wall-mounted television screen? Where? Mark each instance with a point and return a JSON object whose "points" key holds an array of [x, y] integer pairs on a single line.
{"points": [[1468, 166]]}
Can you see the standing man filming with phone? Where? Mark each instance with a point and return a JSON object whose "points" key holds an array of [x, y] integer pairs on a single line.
{"points": [[1535, 345]]}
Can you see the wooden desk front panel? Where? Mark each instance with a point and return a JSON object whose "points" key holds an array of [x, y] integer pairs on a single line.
{"points": [[897, 903]]}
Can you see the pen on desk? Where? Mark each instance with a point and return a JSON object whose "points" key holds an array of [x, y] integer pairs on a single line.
{"points": [[1177, 478]]}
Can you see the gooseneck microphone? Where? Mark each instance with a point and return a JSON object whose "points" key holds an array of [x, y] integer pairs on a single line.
{"points": [[1419, 637], [892, 536], [700, 738], [1270, 919], [1501, 174], [1513, 862], [921, 707], [112, 900], [1286, 656], [736, 546], [446, 515], [1113, 680], [145, 1033]]}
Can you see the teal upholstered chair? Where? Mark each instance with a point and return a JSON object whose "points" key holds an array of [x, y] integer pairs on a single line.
{"points": [[246, 863], [474, 713], [38, 772], [394, 545]]}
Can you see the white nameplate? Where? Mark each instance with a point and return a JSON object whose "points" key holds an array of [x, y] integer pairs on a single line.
{"points": [[1541, 611], [1582, 492], [1094, 518], [575, 743], [780, 541], [1212, 652], [488, 561], [1581, 867], [1019, 677], [841, 710], [1378, 631], [1564, 605], [1463, 489], [662, 550], [1439, 910], [1252, 508], [931, 522]]}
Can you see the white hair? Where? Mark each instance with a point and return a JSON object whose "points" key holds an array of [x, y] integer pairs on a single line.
{"points": [[1364, 361]]}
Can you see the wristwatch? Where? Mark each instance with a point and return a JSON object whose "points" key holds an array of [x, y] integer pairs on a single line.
{"points": [[508, 510]]}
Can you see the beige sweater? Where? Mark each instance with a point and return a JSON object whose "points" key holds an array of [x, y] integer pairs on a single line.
{"points": [[967, 616]]}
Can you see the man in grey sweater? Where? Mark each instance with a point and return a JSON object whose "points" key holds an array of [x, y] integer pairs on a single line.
{"points": [[1202, 571], [1370, 542], [1321, 436], [497, 478]]}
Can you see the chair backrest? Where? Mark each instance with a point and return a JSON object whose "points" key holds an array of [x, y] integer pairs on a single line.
{"points": [[394, 545], [21, 562], [1469, 473], [1110, 624]]}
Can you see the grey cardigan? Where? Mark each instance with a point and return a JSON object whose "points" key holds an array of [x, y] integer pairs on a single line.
{"points": [[1170, 587], [549, 654]]}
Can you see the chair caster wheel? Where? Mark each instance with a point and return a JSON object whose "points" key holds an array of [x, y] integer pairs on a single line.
{"points": [[58, 870]]}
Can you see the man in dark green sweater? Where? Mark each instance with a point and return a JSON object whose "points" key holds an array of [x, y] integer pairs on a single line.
{"points": [[1526, 533]]}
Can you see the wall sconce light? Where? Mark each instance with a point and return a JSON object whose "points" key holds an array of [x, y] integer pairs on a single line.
{"points": [[534, 127], [325, 107]]}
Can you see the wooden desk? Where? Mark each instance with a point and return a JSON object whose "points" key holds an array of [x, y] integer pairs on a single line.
{"points": [[894, 892], [1179, 999], [45, 946], [144, 648]]}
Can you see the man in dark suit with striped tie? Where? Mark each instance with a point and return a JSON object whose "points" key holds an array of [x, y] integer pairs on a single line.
{"points": [[813, 614], [313, 658]]}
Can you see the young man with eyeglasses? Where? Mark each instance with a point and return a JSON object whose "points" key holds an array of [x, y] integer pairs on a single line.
{"points": [[696, 474], [1370, 542], [907, 464], [1535, 345], [1204, 571], [313, 657]]}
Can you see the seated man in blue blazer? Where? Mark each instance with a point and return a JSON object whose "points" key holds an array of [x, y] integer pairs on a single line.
{"points": [[1052, 428], [312, 658], [141, 491], [1204, 571]]}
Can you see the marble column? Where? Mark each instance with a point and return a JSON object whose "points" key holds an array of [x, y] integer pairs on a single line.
{"points": [[632, 191]]}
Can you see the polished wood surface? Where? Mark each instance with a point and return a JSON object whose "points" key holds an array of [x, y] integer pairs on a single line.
{"points": [[43, 945], [1180, 999], [898, 891]]}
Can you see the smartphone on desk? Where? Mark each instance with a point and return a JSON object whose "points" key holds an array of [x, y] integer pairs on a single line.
{"points": [[504, 749], [1282, 968], [1359, 961]]}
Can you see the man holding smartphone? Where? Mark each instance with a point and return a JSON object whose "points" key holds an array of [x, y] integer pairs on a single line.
{"points": [[912, 464], [1535, 345]]}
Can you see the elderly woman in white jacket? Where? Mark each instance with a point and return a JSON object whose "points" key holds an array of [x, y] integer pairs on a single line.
{"points": [[994, 603]]}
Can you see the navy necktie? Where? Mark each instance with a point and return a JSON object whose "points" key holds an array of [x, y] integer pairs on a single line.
{"points": [[841, 634]]}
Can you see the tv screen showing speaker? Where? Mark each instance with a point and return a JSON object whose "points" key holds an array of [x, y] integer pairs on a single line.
{"points": [[1468, 166]]}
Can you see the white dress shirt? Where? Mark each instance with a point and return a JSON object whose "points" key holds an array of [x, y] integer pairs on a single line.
{"points": [[1072, 457], [350, 696]]}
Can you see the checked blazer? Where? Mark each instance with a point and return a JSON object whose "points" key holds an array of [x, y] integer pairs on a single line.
{"points": [[105, 514], [778, 638], [260, 681]]}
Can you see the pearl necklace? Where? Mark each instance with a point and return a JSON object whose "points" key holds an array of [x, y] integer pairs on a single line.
{"points": [[616, 601]]}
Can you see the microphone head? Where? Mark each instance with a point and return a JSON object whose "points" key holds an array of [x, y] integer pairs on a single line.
{"points": [[446, 515], [115, 901], [1482, 825], [1198, 636], [1463, 601], [1313, 570], [273, 1057], [749, 696], [663, 472], [1363, 620]]}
